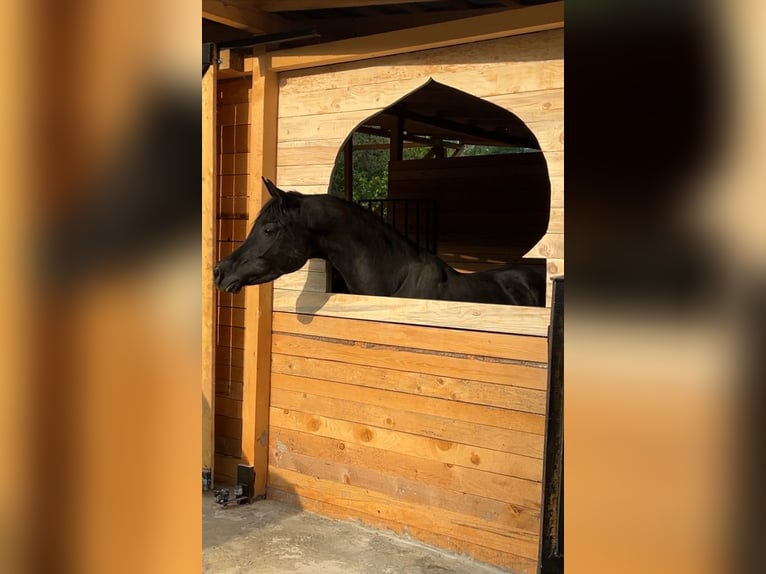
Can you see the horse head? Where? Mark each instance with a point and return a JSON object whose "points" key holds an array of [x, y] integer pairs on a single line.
{"points": [[277, 244]]}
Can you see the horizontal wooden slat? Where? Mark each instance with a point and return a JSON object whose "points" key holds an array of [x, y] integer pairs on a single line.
{"points": [[230, 336], [416, 337], [303, 281], [233, 186], [509, 562], [226, 355], [529, 87], [389, 482], [228, 426], [540, 47], [436, 520], [228, 407], [397, 411], [507, 464], [471, 316], [522, 494], [528, 405], [396, 358], [230, 387]]}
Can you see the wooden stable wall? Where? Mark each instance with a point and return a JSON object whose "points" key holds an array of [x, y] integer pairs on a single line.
{"points": [[320, 107], [233, 151], [424, 417], [431, 432]]}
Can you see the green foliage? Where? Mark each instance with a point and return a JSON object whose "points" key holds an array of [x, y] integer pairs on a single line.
{"points": [[371, 165]]}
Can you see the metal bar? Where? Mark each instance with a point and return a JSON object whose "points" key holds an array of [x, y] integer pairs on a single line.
{"points": [[276, 37]]}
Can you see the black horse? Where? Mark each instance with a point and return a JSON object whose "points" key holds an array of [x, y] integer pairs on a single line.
{"points": [[371, 256]]}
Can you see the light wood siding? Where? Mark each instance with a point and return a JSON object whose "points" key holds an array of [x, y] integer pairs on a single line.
{"points": [[233, 169], [423, 417], [436, 432], [319, 108]]}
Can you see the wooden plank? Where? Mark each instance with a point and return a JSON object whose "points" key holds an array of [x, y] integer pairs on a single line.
{"points": [[439, 521], [536, 89], [242, 15], [228, 407], [532, 106], [258, 299], [550, 246], [391, 484], [229, 387], [555, 267], [471, 316], [509, 562], [527, 404], [208, 310], [544, 48], [463, 31], [444, 340], [530, 376], [522, 494], [228, 426], [404, 413], [235, 164], [297, 5], [309, 281], [447, 452]]}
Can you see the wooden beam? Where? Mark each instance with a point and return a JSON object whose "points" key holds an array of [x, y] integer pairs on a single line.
{"points": [[209, 198], [258, 299], [463, 31], [242, 15], [296, 5], [234, 63]]}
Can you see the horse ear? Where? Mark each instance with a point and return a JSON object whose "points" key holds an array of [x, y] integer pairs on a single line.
{"points": [[274, 191]]}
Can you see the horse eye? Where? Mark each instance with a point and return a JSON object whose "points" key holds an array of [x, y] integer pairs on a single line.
{"points": [[270, 230]]}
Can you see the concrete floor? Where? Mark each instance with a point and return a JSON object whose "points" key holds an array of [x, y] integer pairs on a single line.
{"points": [[269, 537]]}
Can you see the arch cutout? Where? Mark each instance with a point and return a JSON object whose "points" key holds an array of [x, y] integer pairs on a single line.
{"points": [[456, 174]]}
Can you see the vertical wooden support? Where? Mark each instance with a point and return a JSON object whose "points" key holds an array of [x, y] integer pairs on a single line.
{"points": [[209, 197], [348, 169], [397, 140], [258, 299]]}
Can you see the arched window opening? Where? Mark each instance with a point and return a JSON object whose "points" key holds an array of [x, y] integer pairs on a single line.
{"points": [[455, 174]]}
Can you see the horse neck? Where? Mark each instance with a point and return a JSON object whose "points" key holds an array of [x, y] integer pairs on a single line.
{"points": [[368, 256]]}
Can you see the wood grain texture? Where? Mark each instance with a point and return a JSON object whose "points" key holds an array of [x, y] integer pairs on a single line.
{"points": [[470, 316], [390, 483], [444, 522], [258, 299], [208, 252], [485, 344], [393, 413], [526, 406], [520, 493], [499, 372], [447, 452], [509, 562]]}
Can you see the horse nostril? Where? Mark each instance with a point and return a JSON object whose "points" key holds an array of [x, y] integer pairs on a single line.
{"points": [[217, 273]]}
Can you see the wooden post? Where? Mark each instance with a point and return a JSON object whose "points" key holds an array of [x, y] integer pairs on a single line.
{"points": [[258, 299], [397, 138], [348, 169], [209, 153]]}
